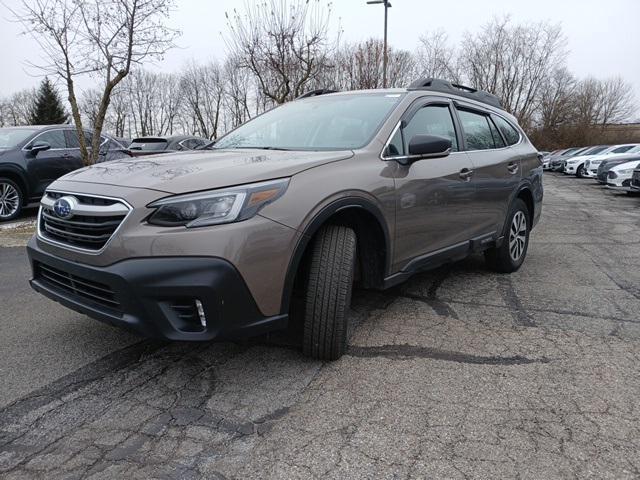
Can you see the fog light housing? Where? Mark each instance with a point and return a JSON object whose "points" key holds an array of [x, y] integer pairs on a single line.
{"points": [[201, 315]]}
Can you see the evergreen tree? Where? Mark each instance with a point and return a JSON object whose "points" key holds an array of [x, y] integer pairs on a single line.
{"points": [[47, 108]]}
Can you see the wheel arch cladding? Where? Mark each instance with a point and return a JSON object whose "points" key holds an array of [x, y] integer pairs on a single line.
{"points": [[19, 180], [373, 247], [527, 197]]}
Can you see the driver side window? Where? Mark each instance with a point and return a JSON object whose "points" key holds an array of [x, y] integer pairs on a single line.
{"points": [[431, 120], [55, 138]]}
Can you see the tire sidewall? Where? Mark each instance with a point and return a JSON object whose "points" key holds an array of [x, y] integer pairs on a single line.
{"points": [[20, 199], [517, 206]]}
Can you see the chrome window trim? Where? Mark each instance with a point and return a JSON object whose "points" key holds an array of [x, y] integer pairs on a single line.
{"points": [[25, 149], [74, 248]]}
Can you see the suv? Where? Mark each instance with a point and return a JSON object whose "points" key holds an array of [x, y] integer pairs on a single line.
{"points": [[296, 204], [33, 157]]}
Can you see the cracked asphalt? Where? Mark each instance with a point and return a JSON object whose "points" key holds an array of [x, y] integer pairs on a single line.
{"points": [[459, 373]]}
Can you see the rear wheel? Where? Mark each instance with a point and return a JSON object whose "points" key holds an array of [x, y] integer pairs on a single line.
{"points": [[11, 199], [510, 255], [580, 171], [328, 293]]}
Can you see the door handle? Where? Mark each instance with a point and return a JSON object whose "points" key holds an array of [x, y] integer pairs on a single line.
{"points": [[513, 168], [466, 174]]}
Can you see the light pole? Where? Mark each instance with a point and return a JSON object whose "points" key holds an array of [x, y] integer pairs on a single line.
{"points": [[387, 6]]}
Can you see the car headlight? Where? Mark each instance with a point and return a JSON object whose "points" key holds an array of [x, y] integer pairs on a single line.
{"points": [[626, 171], [216, 206]]}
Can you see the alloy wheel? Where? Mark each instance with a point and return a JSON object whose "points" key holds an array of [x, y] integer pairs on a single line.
{"points": [[517, 236], [9, 200]]}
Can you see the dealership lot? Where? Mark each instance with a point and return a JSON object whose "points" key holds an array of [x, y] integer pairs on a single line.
{"points": [[460, 373]]}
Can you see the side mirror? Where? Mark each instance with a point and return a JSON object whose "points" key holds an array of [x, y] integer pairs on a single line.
{"points": [[429, 146], [39, 147]]}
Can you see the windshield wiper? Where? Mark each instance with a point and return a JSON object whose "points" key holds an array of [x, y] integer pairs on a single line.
{"points": [[265, 148]]}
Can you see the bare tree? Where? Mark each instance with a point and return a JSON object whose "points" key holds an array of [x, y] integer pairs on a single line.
{"points": [[284, 43], [16, 109], [514, 62], [359, 65], [203, 89], [435, 58], [237, 94], [617, 102], [98, 38]]}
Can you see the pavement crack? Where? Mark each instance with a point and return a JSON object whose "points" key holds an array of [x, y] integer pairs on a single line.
{"points": [[407, 352]]}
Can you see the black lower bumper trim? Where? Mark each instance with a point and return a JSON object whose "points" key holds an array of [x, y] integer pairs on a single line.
{"points": [[147, 289]]}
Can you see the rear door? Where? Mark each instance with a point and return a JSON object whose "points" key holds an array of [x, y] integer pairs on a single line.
{"points": [[432, 195], [496, 167]]}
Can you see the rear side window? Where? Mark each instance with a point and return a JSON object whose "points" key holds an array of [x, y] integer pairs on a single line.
{"points": [[431, 120], [477, 131], [508, 131]]}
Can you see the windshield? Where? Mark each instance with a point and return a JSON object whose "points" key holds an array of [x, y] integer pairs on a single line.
{"points": [[596, 150], [340, 122], [12, 137]]}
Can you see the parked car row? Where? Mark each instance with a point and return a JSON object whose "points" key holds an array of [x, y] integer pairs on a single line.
{"points": [[616, 166], [34, 156]]}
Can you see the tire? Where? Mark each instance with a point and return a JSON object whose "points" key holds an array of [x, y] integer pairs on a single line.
{"points": [[516, 230], [580, 171], [328, 293], [11, 199]]}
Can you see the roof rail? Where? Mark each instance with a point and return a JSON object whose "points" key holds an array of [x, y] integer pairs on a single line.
{"points": [[315, 93], [438, 85]]}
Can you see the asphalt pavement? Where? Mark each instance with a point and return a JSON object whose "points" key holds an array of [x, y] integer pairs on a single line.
{"points": [[459, 373]]}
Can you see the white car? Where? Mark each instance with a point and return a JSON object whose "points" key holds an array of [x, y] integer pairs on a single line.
{"points": [[591, 165], [619, 177], [575, 164]]}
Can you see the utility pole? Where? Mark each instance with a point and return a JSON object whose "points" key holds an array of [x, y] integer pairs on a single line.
{"points": [[387, 6]]}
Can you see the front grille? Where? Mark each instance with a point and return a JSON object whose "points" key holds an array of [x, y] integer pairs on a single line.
{"points": [[612, 174], [635, 180], [88, 291], [90, 228]]}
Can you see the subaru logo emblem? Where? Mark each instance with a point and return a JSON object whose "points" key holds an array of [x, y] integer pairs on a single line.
{"points": [[63, 207]]}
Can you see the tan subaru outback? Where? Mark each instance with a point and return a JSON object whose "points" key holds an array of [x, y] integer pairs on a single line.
{"points": [[332, 189]]}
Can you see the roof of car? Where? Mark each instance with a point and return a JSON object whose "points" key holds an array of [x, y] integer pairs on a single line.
{"points": [[31, 127]]}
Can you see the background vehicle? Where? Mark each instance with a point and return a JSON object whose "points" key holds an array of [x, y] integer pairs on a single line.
{"points": [[606, 165], [153, 145], [619, 176], [557, 162], [575, 164], [635, 181], [33, 157], [300, 202], [615, 151]]}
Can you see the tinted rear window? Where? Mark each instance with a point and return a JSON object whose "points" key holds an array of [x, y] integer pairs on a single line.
{"points": [[150, 145]]}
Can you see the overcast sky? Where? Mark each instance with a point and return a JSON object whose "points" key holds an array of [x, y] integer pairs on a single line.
{"points": [[603, 36]]}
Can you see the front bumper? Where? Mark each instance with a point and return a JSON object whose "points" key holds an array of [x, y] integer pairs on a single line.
{"points": [[156, 297]]}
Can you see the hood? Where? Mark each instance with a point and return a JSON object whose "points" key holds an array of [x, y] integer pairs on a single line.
{"points": [[626, 165], [203, 170]]}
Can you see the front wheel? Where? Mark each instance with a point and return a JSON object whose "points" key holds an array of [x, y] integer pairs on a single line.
{"points": [[510, 255], [580, 172], [11, 199], [328, 296]]}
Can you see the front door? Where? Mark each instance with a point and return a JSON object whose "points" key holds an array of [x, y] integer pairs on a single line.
{"points": [[46, 166], [432, 195]]}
